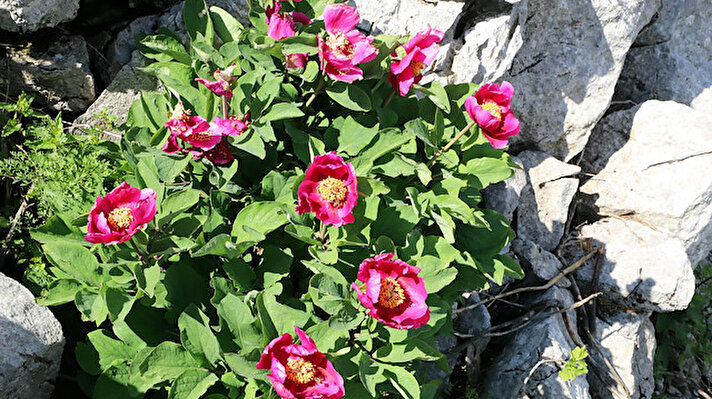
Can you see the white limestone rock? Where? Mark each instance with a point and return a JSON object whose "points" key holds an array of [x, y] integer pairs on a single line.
{"points": [[661, 175], [544, 204], [31, 344], [30, 15]]}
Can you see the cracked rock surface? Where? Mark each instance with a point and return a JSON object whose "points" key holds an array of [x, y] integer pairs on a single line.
{"points": [[661, 175], [30, 15], [31, 343], [59, 74], [643, 269], [544, 204]]}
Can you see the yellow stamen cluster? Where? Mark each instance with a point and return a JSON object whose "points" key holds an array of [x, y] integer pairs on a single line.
{"points": [[333, 190], [202, 136], [493, 109], [392, 294], [300, 371], [340, 43], [120, 218], [417, 67]]}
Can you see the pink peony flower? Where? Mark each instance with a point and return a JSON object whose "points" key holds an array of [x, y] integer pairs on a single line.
{"points": [[393, 293], [344, 47], [420, 52], [181, 124], [221, 86], [205, 140], [116, 217], [300, 371], [231, 126], [282, 25], [329, 190], [489, 107]]}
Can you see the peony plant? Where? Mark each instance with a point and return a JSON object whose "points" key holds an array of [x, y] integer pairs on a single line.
{"points": [[278, 184]]}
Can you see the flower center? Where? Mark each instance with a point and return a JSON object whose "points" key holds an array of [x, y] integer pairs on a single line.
{"points": [[339, 43], [202, 136], [333, 190], [417, 67], [300, 371], [493, 109], [392, 294], [120, 218]]}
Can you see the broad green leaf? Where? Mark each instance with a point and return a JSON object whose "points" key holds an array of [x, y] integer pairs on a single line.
{"points": [[166, 362], [304, 43], [75, 260], [281, 111], [239, 320], [354, 137], [487, 170], [226, 26], [59, 292], [198, 338], [257, 220], [244, 367], [349, 96], [110, 349], [403, 381], [413, 349], [197, 20], [164, 48], [192, 384], [177, 203], [91, 305]]}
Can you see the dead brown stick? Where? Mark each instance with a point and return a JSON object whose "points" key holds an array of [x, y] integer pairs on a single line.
{"points": [[546, 286]]}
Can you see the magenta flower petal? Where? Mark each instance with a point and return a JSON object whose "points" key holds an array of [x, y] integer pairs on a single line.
{"points": [[329, 190], [340, 18], [490, 108], [420, 52], [300, 371], [116, 217], [392, 293]]}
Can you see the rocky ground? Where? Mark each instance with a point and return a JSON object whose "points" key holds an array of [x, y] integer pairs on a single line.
{"points": [[615, 101]]}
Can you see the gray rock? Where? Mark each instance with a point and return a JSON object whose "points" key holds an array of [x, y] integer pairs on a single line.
{"points": [[672, 57], [544, 204], [609, 136], [489, 46], [119, 50], [31, 344], [643, 269], [661, 175], [565, 73], [59, 74], [116, 99], [628, 340], [546, 339], [503, 197], [30, 15], [541, 263]]}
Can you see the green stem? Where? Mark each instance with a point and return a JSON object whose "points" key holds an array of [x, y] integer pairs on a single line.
{"points": [[322, 232], [224, 107], [141, 256], [319, 87], [388, 99], [450, 143]]}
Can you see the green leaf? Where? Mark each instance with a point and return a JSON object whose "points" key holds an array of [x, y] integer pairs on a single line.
{"points": [[304, 43], [412, 350], [417, 128], [91, 305], [388, 140], [437, 94], [197, 20], [403, 381], [329, 291], [354, 137], [238, 318], [192, 384], [166, 362], [226, 26], [435, 273], [244, 367], [349, 96], [176, 204], [487, 170], [198, 338], [164, 48], [251, 143], [370, 373], [118, 303], [110, 349], [256, 220], [279, 318], [281, 111], [220, 245], [59, 292], [75, 260]]}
